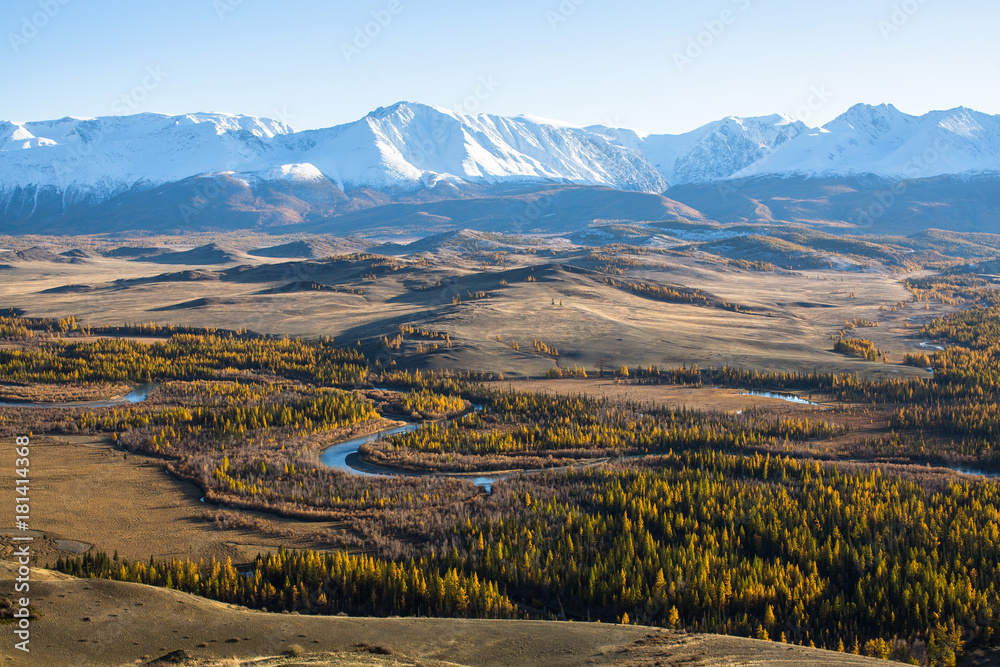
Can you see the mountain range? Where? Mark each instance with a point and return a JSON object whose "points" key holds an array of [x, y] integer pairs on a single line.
{"points": [[871, 166]]}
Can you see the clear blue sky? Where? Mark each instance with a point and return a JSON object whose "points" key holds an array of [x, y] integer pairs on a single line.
{"points": [[582, 61]]}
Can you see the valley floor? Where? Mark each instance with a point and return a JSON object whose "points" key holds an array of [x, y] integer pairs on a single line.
{"points": [[435, 310]]}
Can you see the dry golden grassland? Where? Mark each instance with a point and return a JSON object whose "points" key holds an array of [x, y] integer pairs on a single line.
{"points": [[793, 315]]}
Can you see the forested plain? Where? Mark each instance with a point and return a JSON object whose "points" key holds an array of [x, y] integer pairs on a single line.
{"points": [[829, 528]]}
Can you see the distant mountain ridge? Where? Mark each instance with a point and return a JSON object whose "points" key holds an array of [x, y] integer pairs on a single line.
{"points": [[712, 152], [246, 171], [886, 142]]}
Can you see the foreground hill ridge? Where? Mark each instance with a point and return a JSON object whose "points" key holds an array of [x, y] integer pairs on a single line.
{"points": [[85, 621]]}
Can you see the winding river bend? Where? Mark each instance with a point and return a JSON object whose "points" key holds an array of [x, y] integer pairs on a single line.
{"points": [[344, 456]]}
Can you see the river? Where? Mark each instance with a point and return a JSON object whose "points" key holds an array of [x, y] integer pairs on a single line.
{"points": [[974, 472], [137, 395], [791, 398], [344, 456]]}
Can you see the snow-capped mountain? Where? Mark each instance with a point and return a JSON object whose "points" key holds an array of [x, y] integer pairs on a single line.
{"points": [[714, 151], [883, 141], [256, 168], [407, 144], [402, 147], [124, 151]]}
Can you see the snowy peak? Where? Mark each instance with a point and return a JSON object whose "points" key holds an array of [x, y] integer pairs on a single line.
{"points": [[967, 123], [875, 118], [94, 158], [293, 172], [15, 136], [71, 129], [720, 149], [408, 145], [48, 167], [870, 124], [775, 119], [224, 123], [883, 141], [408, 110]]}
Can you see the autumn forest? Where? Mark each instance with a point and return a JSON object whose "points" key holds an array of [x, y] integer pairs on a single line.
{"points": [[842, 528]]}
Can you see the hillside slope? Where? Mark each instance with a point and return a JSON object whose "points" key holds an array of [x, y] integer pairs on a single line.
{"points": [[97, 622]]}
